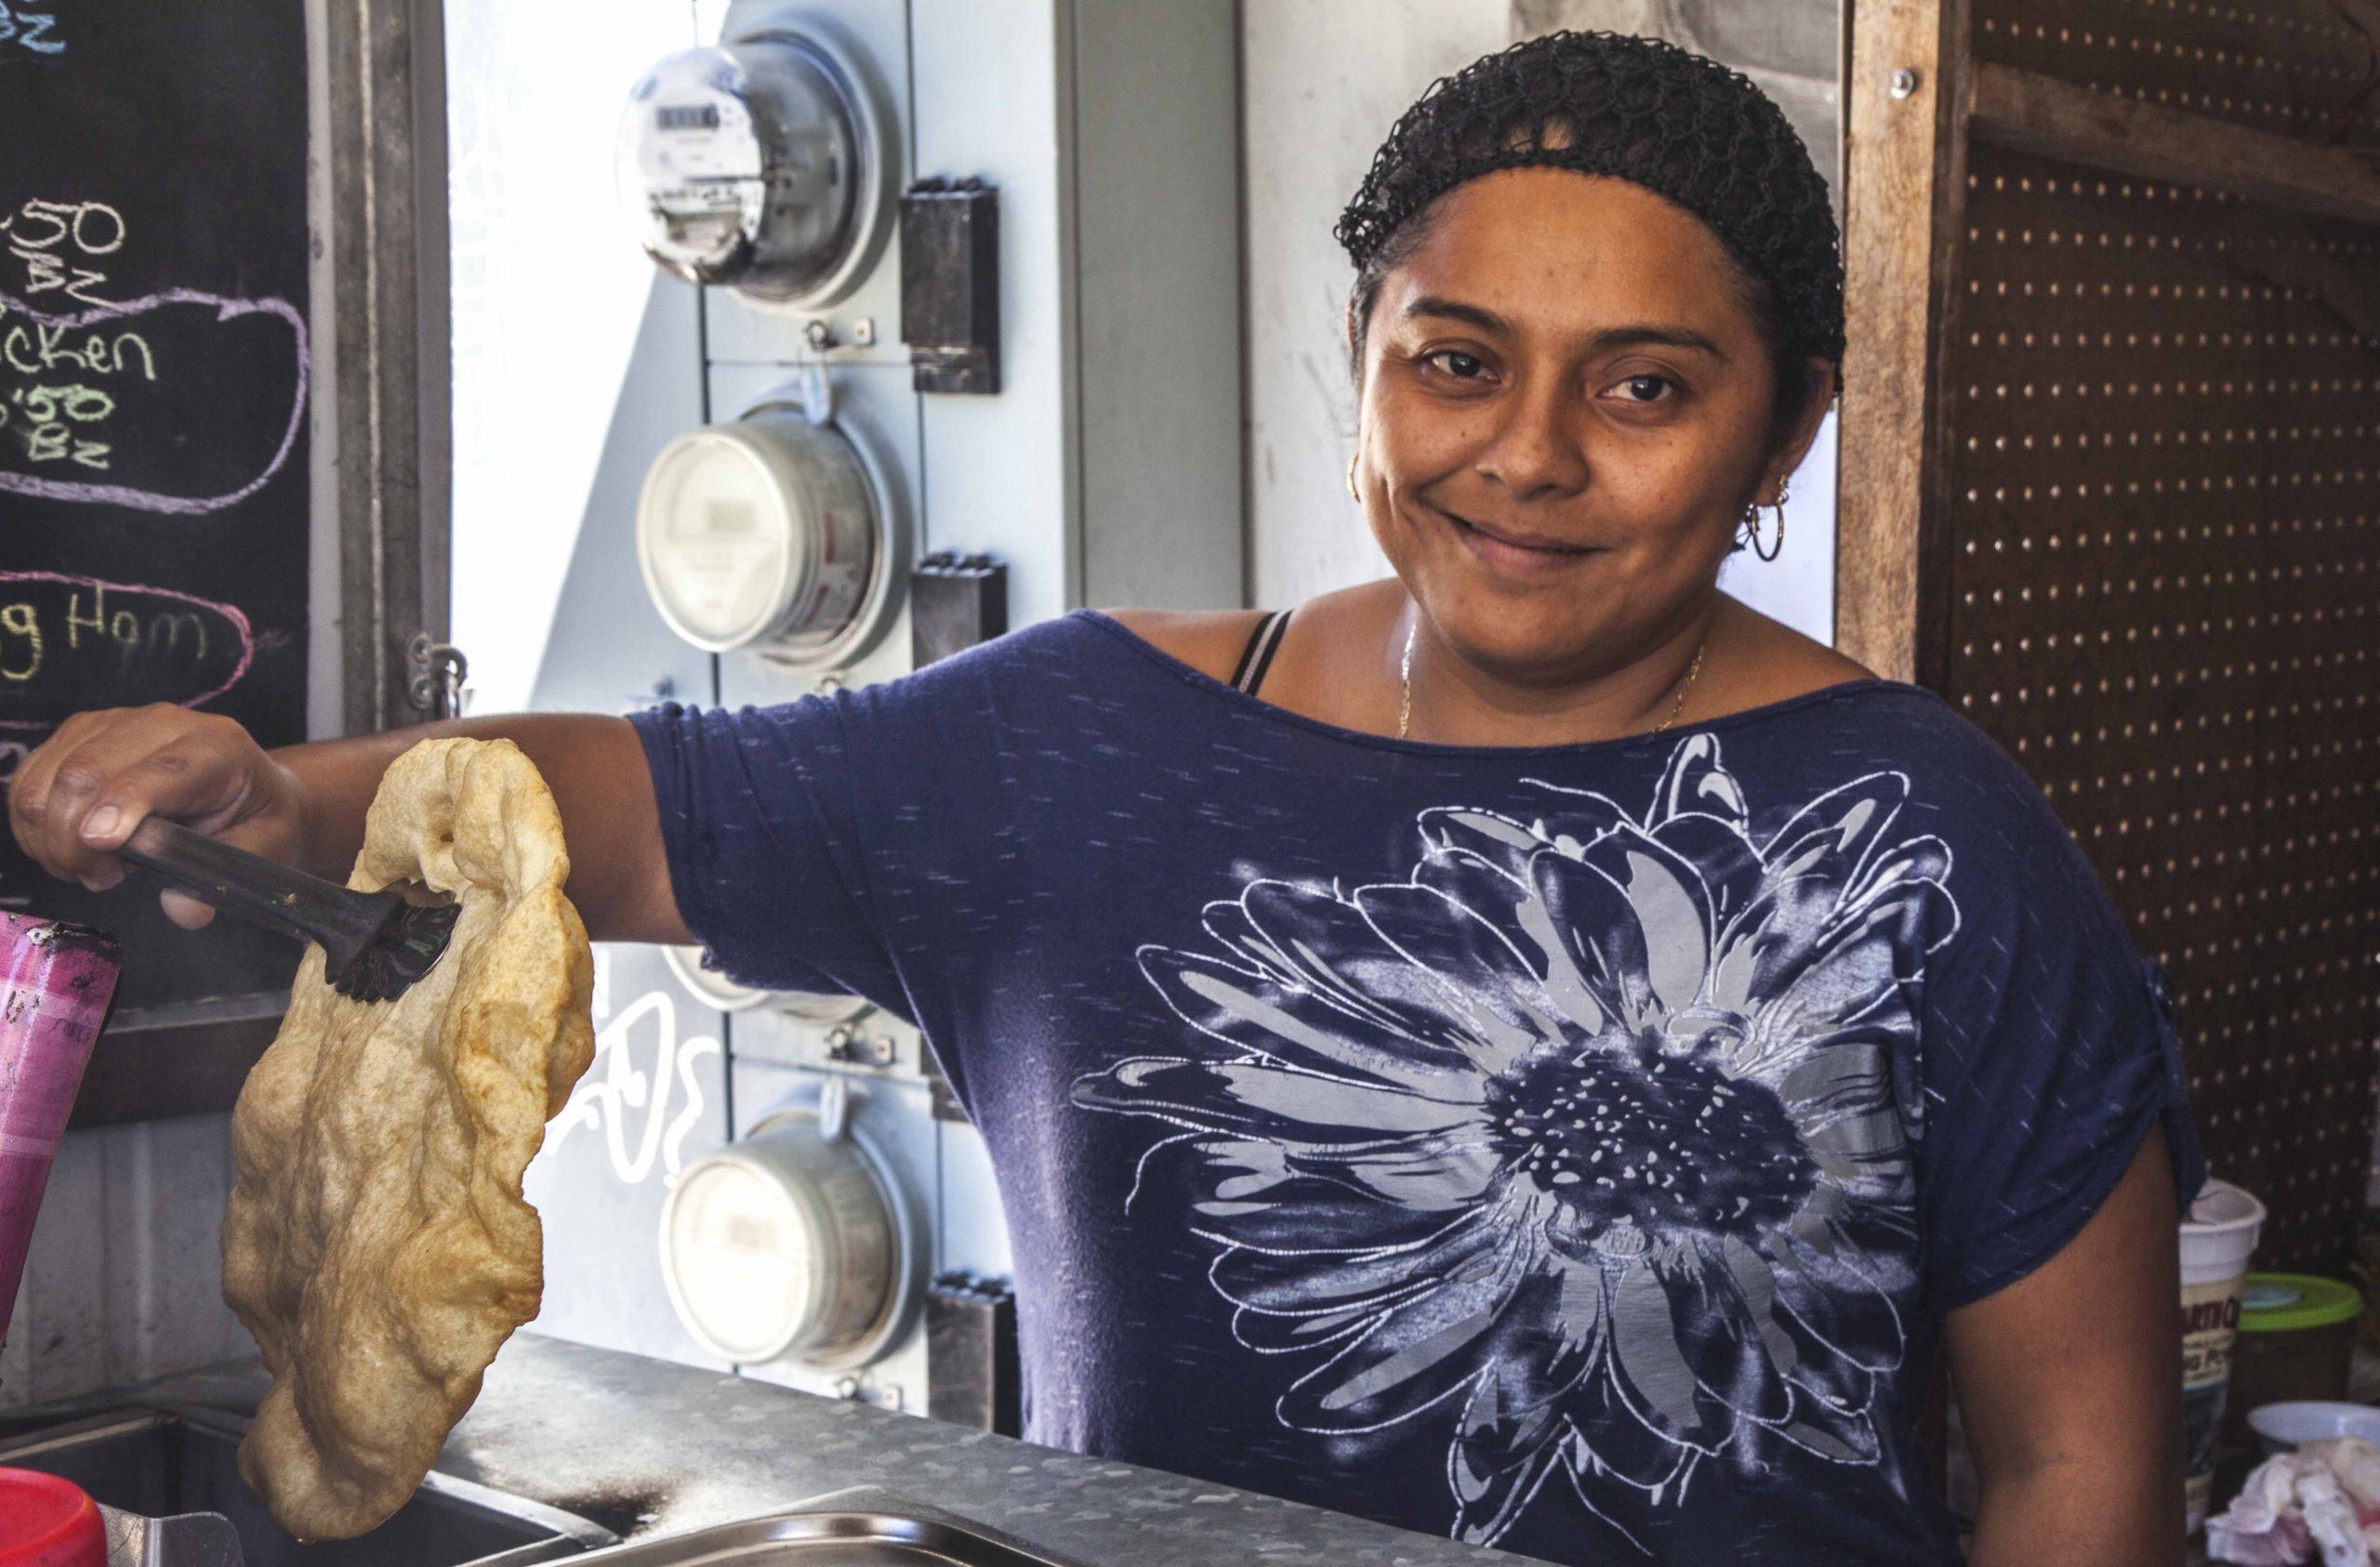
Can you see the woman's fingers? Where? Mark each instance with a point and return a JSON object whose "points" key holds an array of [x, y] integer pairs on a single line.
{"points": [[81, 795], [29, 792], [185, 910], [55, 786]]}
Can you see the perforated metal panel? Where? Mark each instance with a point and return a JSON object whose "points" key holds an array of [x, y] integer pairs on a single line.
{"points": [[2165, 558]]}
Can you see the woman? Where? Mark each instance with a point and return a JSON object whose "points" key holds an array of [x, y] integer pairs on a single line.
{"points": [[1530, 1048]]}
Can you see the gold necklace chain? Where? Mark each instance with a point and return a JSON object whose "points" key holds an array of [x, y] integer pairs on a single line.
{"points": [[1405, 678], [1684, 686]]}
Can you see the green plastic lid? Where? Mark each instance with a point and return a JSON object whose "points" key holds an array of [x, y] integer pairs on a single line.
{"points": [[2285, 1302]]}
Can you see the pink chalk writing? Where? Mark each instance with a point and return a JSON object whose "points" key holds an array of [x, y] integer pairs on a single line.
{"points": [[150, 500], [58, 631]]}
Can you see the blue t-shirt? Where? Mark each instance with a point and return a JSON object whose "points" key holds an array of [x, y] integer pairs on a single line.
{"points": [[1573, 1147]]}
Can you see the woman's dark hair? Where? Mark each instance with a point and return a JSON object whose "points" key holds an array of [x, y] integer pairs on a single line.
{"points": [[1637, 109]]}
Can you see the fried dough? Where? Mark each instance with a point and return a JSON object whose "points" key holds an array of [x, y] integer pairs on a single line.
{"points": [[376, 1242]]}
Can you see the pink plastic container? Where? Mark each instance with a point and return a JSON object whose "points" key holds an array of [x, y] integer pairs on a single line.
{"points": [[55, 982]]}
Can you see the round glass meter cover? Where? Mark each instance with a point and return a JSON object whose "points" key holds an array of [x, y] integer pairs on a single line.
{"points": [[741, 1255], [689, 163], [720, 542]]}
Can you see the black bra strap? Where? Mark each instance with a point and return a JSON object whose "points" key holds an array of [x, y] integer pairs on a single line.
{"points": [[1258, 655]]}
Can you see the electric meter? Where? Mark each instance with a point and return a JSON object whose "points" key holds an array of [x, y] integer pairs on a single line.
{"points": [[767, 533], [760, 164], [796, 1243]]}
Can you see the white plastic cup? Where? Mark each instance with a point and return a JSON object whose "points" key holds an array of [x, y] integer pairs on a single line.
{"points": [[2218, 1241]]}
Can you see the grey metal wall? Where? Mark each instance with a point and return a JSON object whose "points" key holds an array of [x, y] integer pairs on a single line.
{"points": [[1105, 471]]}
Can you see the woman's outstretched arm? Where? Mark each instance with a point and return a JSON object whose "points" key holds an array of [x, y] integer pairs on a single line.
{"points": [[78, 797]]}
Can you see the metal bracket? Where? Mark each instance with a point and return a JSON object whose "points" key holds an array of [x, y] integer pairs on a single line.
{"points": [[834, 1107], [437, 671], [809, 390]]}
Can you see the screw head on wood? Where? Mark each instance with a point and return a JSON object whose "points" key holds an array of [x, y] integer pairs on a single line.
{"points": [[1904, 82]]}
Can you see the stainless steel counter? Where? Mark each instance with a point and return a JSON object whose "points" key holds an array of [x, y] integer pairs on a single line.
{"points": [[648, 1448]]}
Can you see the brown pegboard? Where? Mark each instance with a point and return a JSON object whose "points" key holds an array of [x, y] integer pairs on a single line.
{"points": [[2288, 66], [2163, 596]]}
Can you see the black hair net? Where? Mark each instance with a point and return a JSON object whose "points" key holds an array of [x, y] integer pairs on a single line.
{"points": [[1635, 109]]}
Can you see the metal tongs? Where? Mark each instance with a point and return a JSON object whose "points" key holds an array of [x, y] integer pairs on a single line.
{"points": [[375, 944]]}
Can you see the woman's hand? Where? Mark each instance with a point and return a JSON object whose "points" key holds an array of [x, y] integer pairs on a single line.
{"points": [[2069, 1385], [304, 805], [80, 794]]}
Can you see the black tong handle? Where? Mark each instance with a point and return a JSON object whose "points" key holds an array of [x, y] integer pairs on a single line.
{"points": [[262, 892]]}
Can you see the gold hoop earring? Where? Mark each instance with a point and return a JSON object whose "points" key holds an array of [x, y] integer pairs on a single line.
{"points": [[1353, 493], [1753, 514]]}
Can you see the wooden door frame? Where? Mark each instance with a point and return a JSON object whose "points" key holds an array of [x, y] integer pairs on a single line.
{"points": [[381, 220]]}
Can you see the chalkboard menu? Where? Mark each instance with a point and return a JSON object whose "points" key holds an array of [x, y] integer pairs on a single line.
{"points": [[154, 385]]}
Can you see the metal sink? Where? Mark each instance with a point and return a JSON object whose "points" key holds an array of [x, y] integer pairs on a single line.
{"points": [[866, 1526], [159, 1463]]}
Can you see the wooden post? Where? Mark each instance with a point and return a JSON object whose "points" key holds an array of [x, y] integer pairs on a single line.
{"points": [[1905, 151]]}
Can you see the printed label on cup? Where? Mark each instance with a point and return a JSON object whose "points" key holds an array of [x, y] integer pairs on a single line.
{"points": [[2210, 1322]]}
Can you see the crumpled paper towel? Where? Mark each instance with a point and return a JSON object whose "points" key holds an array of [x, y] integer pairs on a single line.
{"points": [[2323, 1499]]}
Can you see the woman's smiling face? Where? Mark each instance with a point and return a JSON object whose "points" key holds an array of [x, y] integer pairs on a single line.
{"points": [[1565, 406]]}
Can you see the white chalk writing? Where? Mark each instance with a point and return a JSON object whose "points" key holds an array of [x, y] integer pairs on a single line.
{"points": [[57, 420], [619, 1095], [35, 32], [54, 240]]}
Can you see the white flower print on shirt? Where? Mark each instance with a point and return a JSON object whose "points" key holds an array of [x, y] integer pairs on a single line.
{"points": [[1590, 1141]]}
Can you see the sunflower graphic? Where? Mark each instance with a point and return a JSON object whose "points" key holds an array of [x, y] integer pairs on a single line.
{"points": [[1589, 1143]]}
